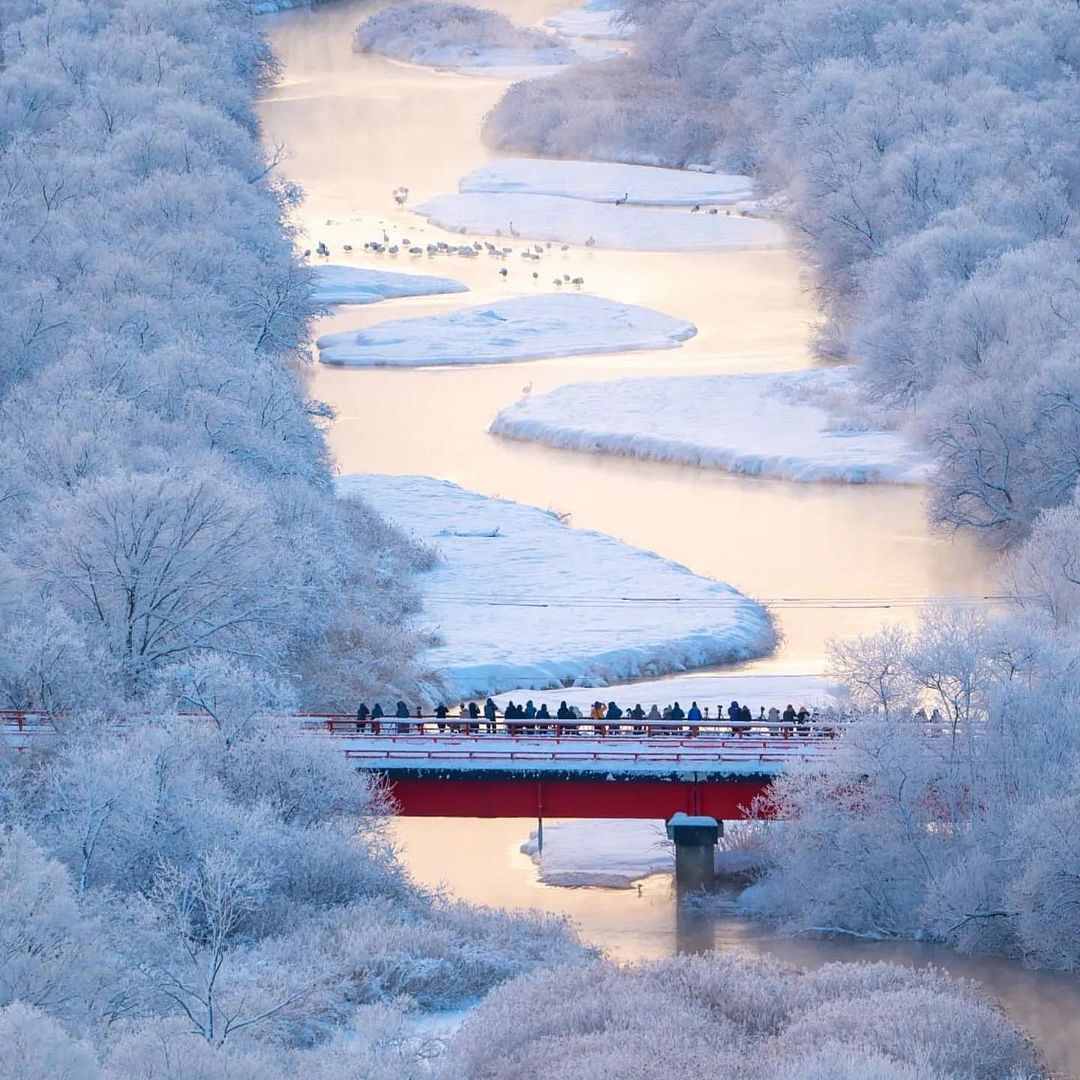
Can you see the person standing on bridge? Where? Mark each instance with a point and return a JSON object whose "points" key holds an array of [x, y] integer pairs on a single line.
{"points": [[441, 712], [362, 714], [746, 716], [693, 717], [401, 712], [677, 715], [637, 714], [491, 711], [376, 716], [734, 713], [542, 715], [614, 713]]}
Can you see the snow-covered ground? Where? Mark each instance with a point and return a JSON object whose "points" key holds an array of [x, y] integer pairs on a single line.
{"points": [[589, 22], [772, 424], [608, 182], [522, 600], [577, 221], [607, 852], [360, 285], [525, 328], [709, 689]]}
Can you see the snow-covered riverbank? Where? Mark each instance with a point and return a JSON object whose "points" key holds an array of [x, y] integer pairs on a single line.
{"points": [[763, 425], [522, 600], [525, 328]]}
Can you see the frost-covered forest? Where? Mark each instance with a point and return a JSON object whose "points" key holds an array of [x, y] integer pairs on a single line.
{"points": [[165, 483], [202, 894], [925, 159]]}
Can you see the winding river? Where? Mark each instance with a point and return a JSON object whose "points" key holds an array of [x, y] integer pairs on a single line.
{"points": [[356, 127]]}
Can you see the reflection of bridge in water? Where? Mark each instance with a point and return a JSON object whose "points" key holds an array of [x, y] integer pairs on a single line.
{"points": [[568, 769]]}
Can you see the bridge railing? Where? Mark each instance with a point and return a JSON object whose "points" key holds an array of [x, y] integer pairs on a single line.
{"points": [[448, 728]]}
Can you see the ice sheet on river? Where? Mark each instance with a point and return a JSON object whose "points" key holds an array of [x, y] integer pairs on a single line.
{"points": [[772, 424], [525, 328], [576, 221], [360, 285], [611, 853], [608, 182], [522, 600]]}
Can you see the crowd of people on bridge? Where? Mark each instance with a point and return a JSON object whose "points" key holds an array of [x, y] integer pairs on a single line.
{"points": [[610, 719]]}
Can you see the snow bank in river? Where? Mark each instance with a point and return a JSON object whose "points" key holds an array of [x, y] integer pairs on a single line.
{"points": [[608, 182], [359, 285], [776, 425], [608, 852], [711, 690], [575, 221], [526, 328], [520, 599], [458, 36]]}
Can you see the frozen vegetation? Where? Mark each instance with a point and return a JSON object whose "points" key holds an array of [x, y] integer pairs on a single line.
{"points": [[512, 583], [458, 36], [577, 221], [608, 182], [745, 1019], [525, 328], [608, 853], [359, 285], [782, 425], [591, 21]]}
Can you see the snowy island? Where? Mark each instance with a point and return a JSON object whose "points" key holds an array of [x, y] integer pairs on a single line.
{"points": [[519, 599], [526, 328], [460, 37], [762, 425], [360, 285], [598, 224], [608, 182]]}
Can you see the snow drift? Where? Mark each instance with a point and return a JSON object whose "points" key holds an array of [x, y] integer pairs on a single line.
{"points": [[360, 285], [525, 328], [521, 600], [770, 425], [576, 221]]}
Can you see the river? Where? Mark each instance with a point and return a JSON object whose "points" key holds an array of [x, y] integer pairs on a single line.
{"points": [[356, 127]]}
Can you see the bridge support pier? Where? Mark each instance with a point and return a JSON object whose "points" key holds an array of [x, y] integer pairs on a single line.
{"points": [[695, 840]]}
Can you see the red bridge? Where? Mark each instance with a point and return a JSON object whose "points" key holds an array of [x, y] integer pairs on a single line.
{"points": [[564, 769]]}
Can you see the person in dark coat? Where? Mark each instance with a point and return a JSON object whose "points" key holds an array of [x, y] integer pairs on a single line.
{"points": [[542, 713], [376, 711], [614, 713], [490, 712], [676, 713], [563, 712], [789, 715], [745, 715], [362, 715], [441, 712], [401, 712], [474, 713]]}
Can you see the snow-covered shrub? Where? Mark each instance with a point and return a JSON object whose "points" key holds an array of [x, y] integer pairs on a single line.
{"points": [[751, 1020], [632, 115], [433, 32]]}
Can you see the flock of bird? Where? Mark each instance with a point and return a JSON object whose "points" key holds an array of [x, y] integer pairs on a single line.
{"points": [[388, 246]]}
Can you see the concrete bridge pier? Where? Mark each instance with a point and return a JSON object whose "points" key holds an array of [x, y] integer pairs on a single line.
{"points": [[695, 839]]}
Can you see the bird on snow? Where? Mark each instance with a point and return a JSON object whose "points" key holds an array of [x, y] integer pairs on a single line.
{"points": [[624, 200], [527, 388], [503, 271]]}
